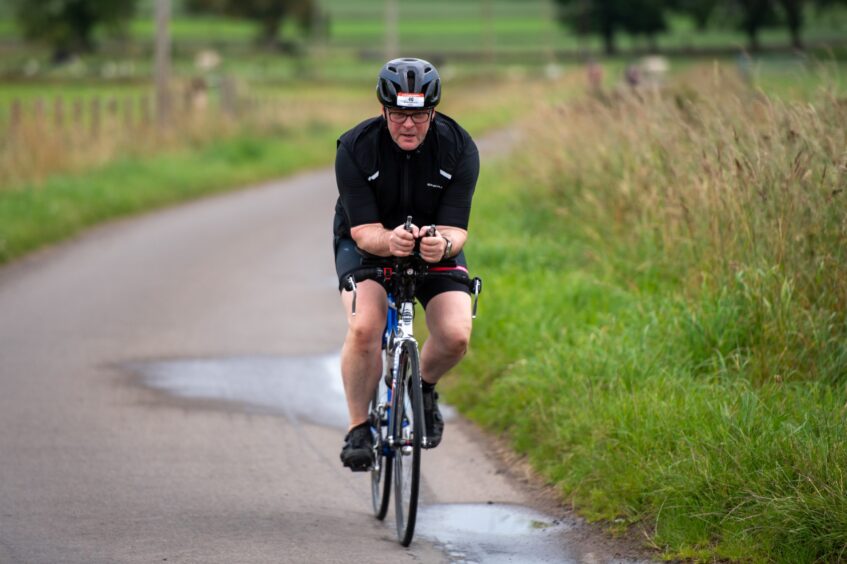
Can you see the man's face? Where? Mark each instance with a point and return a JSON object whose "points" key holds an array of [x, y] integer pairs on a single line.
{"points": [[408, 127]]}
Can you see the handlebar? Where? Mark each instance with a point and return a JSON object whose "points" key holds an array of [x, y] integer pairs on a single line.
{"points": [[411, 268]]}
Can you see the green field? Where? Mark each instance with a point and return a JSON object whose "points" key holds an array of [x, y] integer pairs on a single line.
{"points": [[441, 27]]}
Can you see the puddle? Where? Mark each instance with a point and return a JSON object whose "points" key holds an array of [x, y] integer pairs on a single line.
{"points": [[300, 388], [493, 533], [307, 388]]}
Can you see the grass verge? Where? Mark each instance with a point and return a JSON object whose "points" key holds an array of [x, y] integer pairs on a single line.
{"points": [[65, 204], [663, 330]]}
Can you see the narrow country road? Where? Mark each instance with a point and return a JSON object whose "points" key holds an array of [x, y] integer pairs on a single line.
{"points": [[169, 393]]}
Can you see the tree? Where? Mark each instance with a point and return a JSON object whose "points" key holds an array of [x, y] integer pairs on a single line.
{"points": [[269, 14], [68, 26], [699, 10], [590, 17], [644, 17], [793, 11], [753, 16], [607, 17]]}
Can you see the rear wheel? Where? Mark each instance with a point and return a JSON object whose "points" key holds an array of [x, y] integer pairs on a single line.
{"points": [[408, 420], [381, 471]]}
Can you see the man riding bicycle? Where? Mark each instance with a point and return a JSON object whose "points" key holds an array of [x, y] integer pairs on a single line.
{"points": [[409, 161]]}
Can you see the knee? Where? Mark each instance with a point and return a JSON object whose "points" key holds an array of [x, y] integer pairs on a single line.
{"points": [[455, 342], [364, 337]]}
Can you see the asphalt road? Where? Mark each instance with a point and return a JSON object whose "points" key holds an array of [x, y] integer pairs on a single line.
{"points": [[104, 458]]}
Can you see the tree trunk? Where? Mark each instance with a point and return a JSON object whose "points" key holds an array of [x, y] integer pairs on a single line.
{"points": [[794, 20], [753, 39], [269, 34], [652, 43], [796, 38], [609, 39]]}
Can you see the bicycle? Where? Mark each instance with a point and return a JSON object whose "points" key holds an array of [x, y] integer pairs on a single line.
{"points": [[396, 409]]}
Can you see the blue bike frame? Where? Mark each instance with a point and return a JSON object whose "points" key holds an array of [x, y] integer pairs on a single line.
{"points": [[391, 320]]}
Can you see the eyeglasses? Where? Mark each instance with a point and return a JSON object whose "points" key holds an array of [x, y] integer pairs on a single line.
{"points": [[417, 117]]}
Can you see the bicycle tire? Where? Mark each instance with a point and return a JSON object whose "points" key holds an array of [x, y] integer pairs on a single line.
{"points": [[381, 472], [407, 403]]}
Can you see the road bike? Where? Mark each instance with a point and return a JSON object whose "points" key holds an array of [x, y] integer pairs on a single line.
{"points": [[396, 410]]}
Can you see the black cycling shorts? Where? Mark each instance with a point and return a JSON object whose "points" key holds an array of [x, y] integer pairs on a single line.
{"points": [[348, 258]]}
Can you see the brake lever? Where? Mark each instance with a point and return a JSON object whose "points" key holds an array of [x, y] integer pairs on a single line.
{"points": [[351, 285], [476, 285]]}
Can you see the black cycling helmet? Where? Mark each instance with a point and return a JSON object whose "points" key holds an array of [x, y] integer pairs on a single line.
{"points": [[408, 83]]}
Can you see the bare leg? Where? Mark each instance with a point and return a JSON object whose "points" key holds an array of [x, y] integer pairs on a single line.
{"points": [[361, 364], [448, 317]]}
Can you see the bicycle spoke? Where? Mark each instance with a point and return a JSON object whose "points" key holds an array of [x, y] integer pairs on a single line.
{"points": [[408, 404], [381, 472]]}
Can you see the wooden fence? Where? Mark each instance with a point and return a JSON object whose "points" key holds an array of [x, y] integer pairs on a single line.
{"points": [[90, 116], [42, 135], [79, 114]]}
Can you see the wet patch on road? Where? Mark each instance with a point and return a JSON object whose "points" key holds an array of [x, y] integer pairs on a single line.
{"points": [[298, 388], [494, 533], [307, 388]]}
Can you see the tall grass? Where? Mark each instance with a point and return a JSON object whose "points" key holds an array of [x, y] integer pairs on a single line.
{"points": [[728, 189], [664, 331]]}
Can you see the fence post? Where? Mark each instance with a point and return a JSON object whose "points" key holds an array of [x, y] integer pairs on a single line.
{"points": [[144, 105], [228, 96], [144, 109], [15, 116], [96, 107], [127, 112], [187, 102], [163, 61], [59, 112], [112, 106], [38, 110], [78, 113]]}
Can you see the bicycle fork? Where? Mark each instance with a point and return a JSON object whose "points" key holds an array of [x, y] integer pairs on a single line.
{"points": [[404, 440]]}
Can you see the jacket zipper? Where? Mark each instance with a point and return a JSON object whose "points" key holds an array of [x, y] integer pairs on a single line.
{"points": [[406, 209]]}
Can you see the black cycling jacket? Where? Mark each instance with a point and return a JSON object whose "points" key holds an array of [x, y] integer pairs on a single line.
{"points": [[380, 183]]}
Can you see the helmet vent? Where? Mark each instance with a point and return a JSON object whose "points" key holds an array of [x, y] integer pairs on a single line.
{"points": [[410, 77], [392, 69]]}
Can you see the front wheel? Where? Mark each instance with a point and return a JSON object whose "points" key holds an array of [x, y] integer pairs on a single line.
{"points": [[381, 471], [408, 427]]}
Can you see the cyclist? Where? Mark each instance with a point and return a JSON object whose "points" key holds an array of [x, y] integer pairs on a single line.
{"points": [[409, 161]]}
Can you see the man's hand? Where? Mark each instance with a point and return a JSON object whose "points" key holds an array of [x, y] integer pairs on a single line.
{"points": [[401, 243], [432, 247]]}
